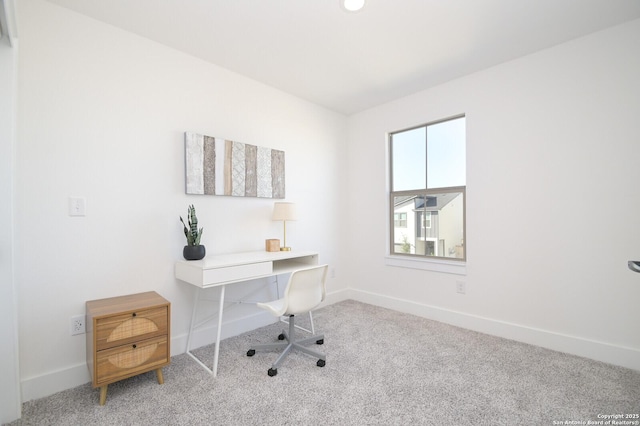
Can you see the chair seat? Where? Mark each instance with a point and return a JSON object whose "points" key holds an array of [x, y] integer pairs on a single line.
{"points": [[276, 307]]}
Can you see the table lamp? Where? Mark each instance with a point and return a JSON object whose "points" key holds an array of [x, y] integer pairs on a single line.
{"points": [[284, 212]]}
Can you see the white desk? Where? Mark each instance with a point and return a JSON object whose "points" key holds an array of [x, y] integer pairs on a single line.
{"points": [[221, 270]]}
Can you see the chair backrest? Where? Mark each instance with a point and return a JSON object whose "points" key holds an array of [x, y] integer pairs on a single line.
{"points": [[306, 289]]}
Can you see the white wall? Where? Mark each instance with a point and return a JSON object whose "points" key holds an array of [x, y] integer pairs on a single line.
{"points": [[9, 385], [553, 212], [101, 115]]}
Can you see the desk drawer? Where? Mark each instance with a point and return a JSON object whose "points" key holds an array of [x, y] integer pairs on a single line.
{"points": [[236, 273], [125, 328]]}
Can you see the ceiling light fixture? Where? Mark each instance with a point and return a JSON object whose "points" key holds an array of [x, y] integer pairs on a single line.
{"points": [[352, 5]]}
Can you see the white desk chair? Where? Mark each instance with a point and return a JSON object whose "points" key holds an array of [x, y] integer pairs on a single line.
{"points": [[305, 291], [286, 320]]}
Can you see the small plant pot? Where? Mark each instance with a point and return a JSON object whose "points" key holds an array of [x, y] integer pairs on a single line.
{"points": [[194, 252]]}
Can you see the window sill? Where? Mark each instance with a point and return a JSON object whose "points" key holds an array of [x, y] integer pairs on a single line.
{"points": [[435, 265]]}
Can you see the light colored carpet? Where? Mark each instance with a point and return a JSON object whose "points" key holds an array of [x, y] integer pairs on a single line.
{"points": [[383, 368]]}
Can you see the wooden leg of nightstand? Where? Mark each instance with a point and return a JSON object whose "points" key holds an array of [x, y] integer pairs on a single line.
{"points": [[160, 376], [103, 394]]}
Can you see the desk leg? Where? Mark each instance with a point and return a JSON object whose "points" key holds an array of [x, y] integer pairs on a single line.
{"points": [[217, 349], [196, 299]]}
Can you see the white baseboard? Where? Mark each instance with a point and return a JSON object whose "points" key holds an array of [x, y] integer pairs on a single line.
{"points": [[599, 351], [56, 381]]}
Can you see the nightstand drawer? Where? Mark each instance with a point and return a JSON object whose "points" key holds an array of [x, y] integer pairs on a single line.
{"points": [[126, 328], [130, 359]]}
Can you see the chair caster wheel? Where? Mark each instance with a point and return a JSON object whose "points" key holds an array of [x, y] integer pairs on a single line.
{"points": [[319, 342], [281, 336], [272, 372], [251, 352], [320, 363]]}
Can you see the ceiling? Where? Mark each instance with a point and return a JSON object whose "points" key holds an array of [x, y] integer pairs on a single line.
{"points": [[349, 62]]}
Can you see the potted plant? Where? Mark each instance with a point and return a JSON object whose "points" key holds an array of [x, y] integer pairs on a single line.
{"points": [[193, 250]]}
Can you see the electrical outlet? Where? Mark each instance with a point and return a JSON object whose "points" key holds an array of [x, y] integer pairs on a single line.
{"points": [[461, 287], [77, 325]]}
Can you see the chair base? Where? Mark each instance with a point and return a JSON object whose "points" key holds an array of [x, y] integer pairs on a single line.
{"points": [[291, 344]]}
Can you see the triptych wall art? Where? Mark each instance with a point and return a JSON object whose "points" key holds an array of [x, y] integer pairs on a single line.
{"points": [[216, 166]]}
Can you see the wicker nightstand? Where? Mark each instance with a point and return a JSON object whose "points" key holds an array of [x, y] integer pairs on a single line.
{"points": [[127, 336]]}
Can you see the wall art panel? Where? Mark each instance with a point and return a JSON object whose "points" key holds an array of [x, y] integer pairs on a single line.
{"points": [[216, 166]]}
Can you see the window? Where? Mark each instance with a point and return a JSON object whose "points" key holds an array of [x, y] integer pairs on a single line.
{"points": [[426, 220], [400, 220], [428, 188]]}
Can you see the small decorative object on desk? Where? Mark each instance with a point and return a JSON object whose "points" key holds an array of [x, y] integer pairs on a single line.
{"points": [[193, 250], [272, 245]]}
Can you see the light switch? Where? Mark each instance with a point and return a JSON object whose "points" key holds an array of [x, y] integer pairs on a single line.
{"points": [[77, 206]]}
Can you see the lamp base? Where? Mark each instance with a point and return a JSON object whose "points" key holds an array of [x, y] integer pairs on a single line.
{"points": [[285, 248]]}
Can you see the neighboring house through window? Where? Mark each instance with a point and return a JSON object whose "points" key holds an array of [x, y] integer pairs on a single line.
{"points": [[428, 188]]}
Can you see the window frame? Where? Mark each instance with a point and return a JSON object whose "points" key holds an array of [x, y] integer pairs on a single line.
{"points": [[421, 261]]}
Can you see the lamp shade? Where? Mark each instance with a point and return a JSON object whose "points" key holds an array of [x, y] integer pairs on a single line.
{"points": [[284, 211]]}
